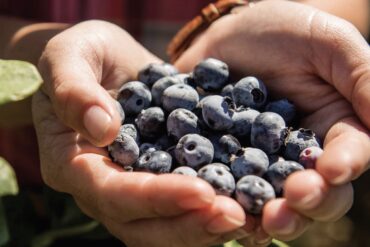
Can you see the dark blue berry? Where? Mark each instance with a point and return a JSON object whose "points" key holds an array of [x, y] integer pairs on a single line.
{"points": [[253, 192], [219, 177]]}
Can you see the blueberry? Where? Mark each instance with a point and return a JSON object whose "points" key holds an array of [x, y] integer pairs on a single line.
{"points": [[249, 161], [308, 157], [227, 91], [274, 158], [250, 92], [194, 150], [130, 130], [179, 96], [224, 146], [161, 85], [219, 177], [211, 74], [181, 122], [185, 170], [155, 71], [217, 112], [253, 192], [133, 97], [151, 122], [147, 147], [242, 122], [278, 172], [284, 108], [297, 141], [124, 150], [268, 132], [155, 162], [164, 142], [186, 79]]}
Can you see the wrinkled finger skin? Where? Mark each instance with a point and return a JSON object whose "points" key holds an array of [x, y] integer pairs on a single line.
{"points": [[322, 64]]}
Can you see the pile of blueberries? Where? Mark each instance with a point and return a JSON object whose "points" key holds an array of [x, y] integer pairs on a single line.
{"points": [[231, 134]]}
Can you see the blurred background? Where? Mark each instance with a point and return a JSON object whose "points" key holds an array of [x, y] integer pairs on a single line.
{"points": [[39, 216]]}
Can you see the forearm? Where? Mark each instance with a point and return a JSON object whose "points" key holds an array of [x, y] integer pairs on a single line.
{"points": [[355, 11]]}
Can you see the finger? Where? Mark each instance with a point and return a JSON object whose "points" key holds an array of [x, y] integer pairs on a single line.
{"points": [[346, 154], [342, 57], [203, 227], [281, 222], [259, 237], [71, 164], [75, 76], [127, 196], [309, 194]]}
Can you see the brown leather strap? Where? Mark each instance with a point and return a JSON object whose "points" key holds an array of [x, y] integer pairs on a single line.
{"points": [[209, 14]]}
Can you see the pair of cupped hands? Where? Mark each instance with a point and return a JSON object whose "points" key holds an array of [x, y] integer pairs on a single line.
{"points": [[318, 61]]}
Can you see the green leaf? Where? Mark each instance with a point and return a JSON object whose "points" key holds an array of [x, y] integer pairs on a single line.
{"points": [[47, 238], [4, 231], [232, 244], [18, 80], [8, 181], [277, 243]]}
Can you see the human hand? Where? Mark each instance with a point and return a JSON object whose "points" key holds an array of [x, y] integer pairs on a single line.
{"points": [[322, 64], [74, 110]]}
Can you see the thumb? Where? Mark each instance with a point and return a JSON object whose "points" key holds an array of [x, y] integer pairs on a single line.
{"points": [[78, 99], [76, 73]]}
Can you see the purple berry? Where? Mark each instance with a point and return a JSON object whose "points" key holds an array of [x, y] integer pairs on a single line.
{"points": [[185, 170], [268, 132], [250, 161], [194, 150], [308, 157], [124, 150], [217, 112], [179, 96], [219, 176], [155, 71], [253, 192], [284, 108], [250, 92], [278, 172], [211, 74], [297, 141], [134, 96], [155, 162], [181, 122], [151, 122]]}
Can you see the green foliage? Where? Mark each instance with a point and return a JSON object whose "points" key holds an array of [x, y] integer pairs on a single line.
{"points": [[275, 243], [18, 80], [8, 181]]}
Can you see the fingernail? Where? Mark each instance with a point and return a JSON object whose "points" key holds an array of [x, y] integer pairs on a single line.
{"points": [[311, 200], [287, 229], [223, 223], [264, 241], [238, 234], [343, 177], [97, 122], [195, 202], [261, 237]]}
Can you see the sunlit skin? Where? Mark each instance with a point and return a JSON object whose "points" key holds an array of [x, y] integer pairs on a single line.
{"points": [[319, 62]]}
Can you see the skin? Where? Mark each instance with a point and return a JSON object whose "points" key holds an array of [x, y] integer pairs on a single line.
{"points": [[322, 64], [189, 213]]}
